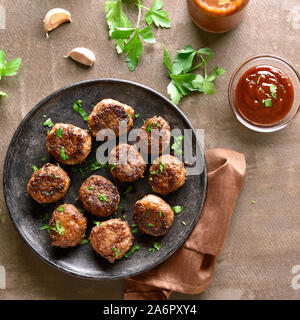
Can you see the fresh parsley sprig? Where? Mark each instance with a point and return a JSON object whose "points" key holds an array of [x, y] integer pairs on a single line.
{"points": [[8, 68], [128, 39], [183, 81]]}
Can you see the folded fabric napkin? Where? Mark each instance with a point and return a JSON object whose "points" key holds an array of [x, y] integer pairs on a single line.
{"points": [[190, 269]]}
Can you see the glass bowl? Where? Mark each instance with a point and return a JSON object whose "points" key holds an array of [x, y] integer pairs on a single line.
{"points": [[265, 60]]}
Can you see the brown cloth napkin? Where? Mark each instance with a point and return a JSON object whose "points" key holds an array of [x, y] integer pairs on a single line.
{"points": [[190, 269]]}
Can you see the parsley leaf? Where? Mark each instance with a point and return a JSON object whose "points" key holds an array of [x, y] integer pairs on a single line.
{"points": [[161, 166], [116, 18], [157, 16], [3, 94], [84, 241], [77, 106], [183, 81], [273, 90], [10, 68], [147, 35], [134, 49]]}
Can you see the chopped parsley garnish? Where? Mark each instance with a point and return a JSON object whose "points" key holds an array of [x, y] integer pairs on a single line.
{"points": [[273, 90], [134, 230], [96, 166], [177, 145], [157, 125], [84, 241], [136, 115], [44, 159], [45, 218], [161, 166], [149, 126], [267, 102], [98, 223], [55, 176], [150, 179], [48, 123], [58, 228], [102, 197], [257, 82], [160, 213], [177, 209], [113, 166], [154, 172], [183, 223], [124, 217], [116, 251], [59, 132], [61, 209], [90, 188], [35, 169], [63, 156], [77, 106], [150, 224], [156, 247], [131, 251], [81, 171], [128, 190]]}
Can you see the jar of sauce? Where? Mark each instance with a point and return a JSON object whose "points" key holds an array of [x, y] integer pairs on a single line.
{"points": [[217, 16]]}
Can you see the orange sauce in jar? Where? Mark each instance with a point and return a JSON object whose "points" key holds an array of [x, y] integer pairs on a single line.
{"points": [[217, 16]]}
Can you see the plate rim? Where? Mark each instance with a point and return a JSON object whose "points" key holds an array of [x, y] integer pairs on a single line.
{"points": [[10, 151]]}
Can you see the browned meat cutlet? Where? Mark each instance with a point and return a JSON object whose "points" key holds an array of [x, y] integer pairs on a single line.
{"points": [[111, 239], [153, 215], [111, 114], [99, 196], [154, 135], [67, 226], [48, 184], [126, 163], [68, 144], [167, 174]]}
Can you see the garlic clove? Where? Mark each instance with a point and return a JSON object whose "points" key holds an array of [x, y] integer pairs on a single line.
{"points": [[82, 55], [54, 18]]}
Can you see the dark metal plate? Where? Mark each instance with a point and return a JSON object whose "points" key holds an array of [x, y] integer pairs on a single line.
{"points": [[27, 148]]}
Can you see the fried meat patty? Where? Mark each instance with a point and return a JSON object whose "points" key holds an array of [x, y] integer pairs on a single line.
{"points": [[111, 114], [67, 226], [48, 184], [154, 135], [167, 174], [99, 196], [126, 163], [111, 239], [153, 215], [68, 144]]}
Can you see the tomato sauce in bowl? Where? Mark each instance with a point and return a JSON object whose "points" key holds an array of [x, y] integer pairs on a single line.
{"points": [[264, 95]]}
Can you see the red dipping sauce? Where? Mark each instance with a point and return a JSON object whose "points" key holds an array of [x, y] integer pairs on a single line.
{"points": [[264, 95]]}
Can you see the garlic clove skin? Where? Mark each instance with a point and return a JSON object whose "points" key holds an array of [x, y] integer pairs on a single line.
{"points": [[82, 55], [54, 18]]}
